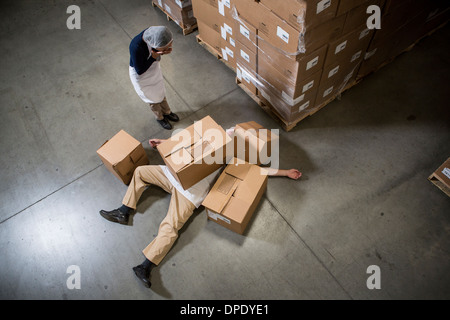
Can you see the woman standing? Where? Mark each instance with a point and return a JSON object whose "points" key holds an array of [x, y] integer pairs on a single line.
{"points": [[146, 50]]}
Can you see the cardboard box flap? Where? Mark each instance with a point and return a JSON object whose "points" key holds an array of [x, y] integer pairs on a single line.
{"points": [[249, 125], [227, 185], [204, 125], [211, 132], [121, 147], [200, 149], [183, 139], [254, 143], [124, 168], [137, 155], [234, 209], [263, 135], [239, 171], [248, 188], [221, 193], [179, 159]]}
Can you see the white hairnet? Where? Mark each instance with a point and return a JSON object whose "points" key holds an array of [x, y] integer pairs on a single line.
{"points": [[157, 37]]}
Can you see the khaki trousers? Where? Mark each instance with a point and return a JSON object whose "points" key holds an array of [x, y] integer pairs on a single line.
{"points": [[180, 209], [160, 109]]}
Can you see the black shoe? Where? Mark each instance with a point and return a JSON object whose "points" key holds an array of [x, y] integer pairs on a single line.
{"points": [[165, 124], [172, 117], [115, 216], [143, 274]]}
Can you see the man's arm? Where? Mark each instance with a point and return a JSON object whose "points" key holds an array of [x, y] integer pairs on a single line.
{"points": [[291, 173], [155, 142], [139, 58]]}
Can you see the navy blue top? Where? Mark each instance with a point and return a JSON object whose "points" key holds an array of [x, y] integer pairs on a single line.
{"points": [[140, 57]]}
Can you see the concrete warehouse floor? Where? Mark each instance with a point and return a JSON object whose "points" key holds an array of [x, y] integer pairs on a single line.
{"points": [[364, 198]]}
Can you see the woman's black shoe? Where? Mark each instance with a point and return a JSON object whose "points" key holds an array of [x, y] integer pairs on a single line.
{"points": [[172, 117], [165, 124]]}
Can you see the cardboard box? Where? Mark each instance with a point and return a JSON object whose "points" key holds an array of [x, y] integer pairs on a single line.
{"points": [[236, 194], [122, 154], [345, 47], [347, 5], [387, 46], [294, 67], [246, 57], [289, 113], [397, 16], [282, 35], [441, 177], [324, 33], [254, 144], [180, 11], [330, 89], [209, 15], [209, 35], [246, 34], [228, 52], [224, 48], [338, 70], [248, 78], [312, 12], [223, 7], [272, 79], [195, 152], [358, 16]]}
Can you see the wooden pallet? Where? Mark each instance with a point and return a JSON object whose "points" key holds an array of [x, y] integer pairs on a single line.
{"points": [[186, 29], [440, 179], [214, 52], [272, 112], [433, 179]]}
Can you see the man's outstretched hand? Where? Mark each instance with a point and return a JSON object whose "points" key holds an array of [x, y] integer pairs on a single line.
{"points": [[155, 142], [291, 173], [294, 174]]}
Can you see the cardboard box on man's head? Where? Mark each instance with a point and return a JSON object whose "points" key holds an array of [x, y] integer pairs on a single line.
{"points": [[195, 152], [236, 194], [122, 154], [255, 144]]}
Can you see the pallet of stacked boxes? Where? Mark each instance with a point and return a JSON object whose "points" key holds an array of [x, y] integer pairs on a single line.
{"points": [[293, 57], [294, 38], [216, 29], [346, 53], [292, 41], [180, 11], [404, 23]]}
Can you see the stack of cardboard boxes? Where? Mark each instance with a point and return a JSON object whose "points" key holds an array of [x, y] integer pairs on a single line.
{"points": [[216, 27], [297, 55], [403, 23], [179, 11]]}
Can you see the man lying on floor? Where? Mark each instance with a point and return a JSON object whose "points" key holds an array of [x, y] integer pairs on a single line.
{"points": [[181, 207]]}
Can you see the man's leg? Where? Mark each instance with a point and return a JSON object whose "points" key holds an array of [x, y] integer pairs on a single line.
{"points": [[180, 210], [143, 176], [157, 109], [168, 114]]}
